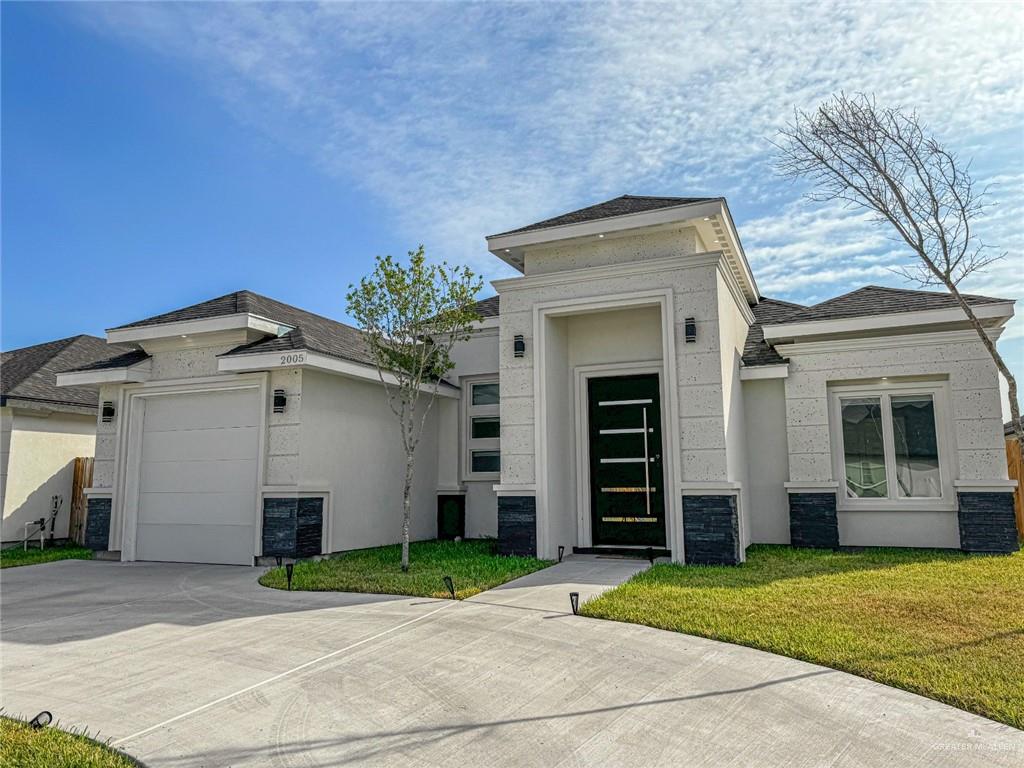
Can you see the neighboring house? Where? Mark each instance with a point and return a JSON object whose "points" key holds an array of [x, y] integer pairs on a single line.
{"points": [[43, 428], [632, 389]]}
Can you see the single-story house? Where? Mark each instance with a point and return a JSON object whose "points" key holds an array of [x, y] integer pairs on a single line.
{"points": [[632, 389], [43, 428]]}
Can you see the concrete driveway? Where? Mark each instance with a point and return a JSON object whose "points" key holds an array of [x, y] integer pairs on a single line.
{"points": [[184, 665]]}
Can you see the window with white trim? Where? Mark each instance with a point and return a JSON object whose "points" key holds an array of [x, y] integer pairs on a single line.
{"points": [[482, 430], [891, 447]]}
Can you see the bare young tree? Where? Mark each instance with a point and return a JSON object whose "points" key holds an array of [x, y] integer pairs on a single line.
{"points": [[412, 316], [883, 160]]}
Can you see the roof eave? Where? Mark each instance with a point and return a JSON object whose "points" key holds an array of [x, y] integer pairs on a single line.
{"points": [[497, 244], [130, 374], [510, 247], [135, 334], [245, 362], [996, 313]]}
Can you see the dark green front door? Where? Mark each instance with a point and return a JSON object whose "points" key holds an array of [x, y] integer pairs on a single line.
{"points": [[627, 497]]}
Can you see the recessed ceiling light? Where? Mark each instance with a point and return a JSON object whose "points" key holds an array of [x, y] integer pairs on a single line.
{"points": [[508, 251], [184, 336], [707, 218]]}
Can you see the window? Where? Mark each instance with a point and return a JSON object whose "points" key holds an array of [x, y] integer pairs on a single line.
{"points": [[886, 444], [482, 431]]}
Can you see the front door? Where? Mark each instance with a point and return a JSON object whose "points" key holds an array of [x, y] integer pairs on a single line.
{"points": [[627, 497]]}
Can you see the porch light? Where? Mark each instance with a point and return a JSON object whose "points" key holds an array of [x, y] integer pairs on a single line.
{"points": [[519, 346], [690, 326], [574, 601], [288, 569], [561, 551], [280, 400], [107, 414]]}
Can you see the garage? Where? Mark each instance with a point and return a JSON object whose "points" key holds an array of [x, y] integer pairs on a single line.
{"points": [[197, 477]]}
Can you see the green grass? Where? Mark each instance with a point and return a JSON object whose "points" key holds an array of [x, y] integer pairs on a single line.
{"points": [[15, 556], [941, 624], [472, 565], [50, 747]]}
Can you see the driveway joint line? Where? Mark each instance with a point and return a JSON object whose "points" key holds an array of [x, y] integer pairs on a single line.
{"points": [[275, 678]]}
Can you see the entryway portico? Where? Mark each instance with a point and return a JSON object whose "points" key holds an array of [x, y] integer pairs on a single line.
{"points": [[624, 301], [596, 344]]}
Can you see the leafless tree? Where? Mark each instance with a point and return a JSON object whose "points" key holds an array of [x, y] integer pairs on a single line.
{"points": [[883, 160]]}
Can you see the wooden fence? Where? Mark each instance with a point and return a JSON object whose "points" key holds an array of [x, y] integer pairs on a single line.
{"points": [[1015, 468], [82, 479]]}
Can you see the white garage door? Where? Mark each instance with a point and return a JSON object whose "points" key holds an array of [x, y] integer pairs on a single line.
{"points": [[197, 484]]}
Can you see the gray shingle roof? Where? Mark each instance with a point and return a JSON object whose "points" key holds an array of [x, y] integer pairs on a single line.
{"points": [[30, 373], [879, 300], [618, 206], [123, 360], [863, 302], [756, 351], [310, 331], [487, 307]]}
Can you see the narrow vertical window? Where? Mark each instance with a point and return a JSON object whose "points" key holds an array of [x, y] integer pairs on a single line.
{"points": [[482, 430], [915, 446], [864, 448]]}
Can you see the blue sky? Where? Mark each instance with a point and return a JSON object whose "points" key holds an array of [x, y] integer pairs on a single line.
{"points": [[155, 155]]}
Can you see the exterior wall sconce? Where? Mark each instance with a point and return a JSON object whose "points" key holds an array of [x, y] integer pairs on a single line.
{"points": [[518, 346], [280, 400], [690, 325], [107, 413]]}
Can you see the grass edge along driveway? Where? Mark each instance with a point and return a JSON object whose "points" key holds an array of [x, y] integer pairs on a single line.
{"points": [[472, 565], [50, 747], [941, 624], [13, 557]]}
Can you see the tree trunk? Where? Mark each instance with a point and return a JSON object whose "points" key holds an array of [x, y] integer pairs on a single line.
{"points": [[406, 511]]}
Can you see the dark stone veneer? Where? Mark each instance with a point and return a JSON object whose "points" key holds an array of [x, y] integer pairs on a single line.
{"points": [[813, 521], [293, 527], [711, 530], [517, 525], [987, 523], [97, 523]]}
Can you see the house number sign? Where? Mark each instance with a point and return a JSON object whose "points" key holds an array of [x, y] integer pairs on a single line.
{"points": [[294, 358]]}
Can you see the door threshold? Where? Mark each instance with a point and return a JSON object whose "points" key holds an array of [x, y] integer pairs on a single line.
{"points": [[637, 552]]}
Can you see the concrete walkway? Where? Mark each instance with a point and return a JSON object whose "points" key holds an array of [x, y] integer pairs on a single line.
{"points": [[199, 666]]}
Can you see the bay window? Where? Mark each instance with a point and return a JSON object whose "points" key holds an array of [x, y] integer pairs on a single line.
{"points": [[890, 446]]}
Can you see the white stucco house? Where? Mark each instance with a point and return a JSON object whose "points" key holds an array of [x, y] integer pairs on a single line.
{"points": [[632, 389], [43, 429]]}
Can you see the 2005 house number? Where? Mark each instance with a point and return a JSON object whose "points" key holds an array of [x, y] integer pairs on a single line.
{"points": [[293, 359]]}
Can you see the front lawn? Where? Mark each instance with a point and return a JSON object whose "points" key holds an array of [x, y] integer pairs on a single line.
{"points": [[942, 624], [472, 565], [15, 556], [50, 747]]}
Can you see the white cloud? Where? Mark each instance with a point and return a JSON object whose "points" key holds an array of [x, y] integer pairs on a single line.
{"points": [[466, 119]]}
